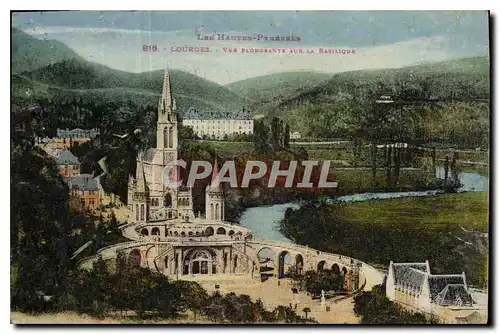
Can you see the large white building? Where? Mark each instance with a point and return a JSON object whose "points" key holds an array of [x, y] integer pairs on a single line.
{"points": [[216, 124]]}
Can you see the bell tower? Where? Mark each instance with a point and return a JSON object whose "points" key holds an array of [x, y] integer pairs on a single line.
{"points": [[166, 127], [214, 197], [167, 142]]}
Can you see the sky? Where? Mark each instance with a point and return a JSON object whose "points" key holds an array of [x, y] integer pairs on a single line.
{"points": [[381, 39]]}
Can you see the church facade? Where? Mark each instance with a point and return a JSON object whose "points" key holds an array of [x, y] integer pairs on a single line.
{"points": [[150, 198]]}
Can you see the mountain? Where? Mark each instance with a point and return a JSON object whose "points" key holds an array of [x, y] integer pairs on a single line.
{"points": [[462, 87], [270, 87], [29, 53], [51, 69], [447, 79], [82, 80]]}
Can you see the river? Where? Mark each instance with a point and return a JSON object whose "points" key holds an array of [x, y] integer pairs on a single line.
{"points": [[263, 220]]}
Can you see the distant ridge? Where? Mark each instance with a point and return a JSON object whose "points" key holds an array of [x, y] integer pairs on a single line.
{"points": [[269, 87]]}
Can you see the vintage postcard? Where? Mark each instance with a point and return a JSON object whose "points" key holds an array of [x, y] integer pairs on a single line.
{"points": [[242, 167]]}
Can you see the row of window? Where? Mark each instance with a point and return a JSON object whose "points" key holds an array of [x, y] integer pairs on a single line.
{"points": [[208, 232], [221, 132], [168, 201], [143, 213], [168, 137], [196, 121], [204, 135], [196, 127], [76, 192], [73, 168], [91, 201], [215, 214]]}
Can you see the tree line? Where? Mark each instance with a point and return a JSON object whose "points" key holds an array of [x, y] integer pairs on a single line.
{"points": [[120, 289], [314, 281], [374, 308], [273, 138]]}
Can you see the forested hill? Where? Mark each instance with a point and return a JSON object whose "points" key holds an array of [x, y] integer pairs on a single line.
{"points": [[46, 68], [83, 80], [461, 87], [29, 53], [270, 87], [456, 79]]}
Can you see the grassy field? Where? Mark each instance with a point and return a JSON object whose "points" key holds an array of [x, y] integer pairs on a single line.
{"points": [[339, 156], [359, 180], [469, 210], [230, 148], [355, 180], [439, 228]]}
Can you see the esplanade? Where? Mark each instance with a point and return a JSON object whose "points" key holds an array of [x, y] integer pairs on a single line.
{"points": [[167, 237]]}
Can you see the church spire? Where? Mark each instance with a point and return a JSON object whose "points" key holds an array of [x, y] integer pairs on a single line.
{"points": [[214, 199], [142, 185], [166, 95], [166, 125], [215, 176]]}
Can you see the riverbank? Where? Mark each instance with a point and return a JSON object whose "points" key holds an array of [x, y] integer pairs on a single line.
{"points": [[351, 181]]}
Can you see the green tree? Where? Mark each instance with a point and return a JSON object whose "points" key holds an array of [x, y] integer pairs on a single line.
{"points": [[286, 135], [261, 138], [186, 132], [375, 308], [194, 296], [276, 134], [306, 311], [40, 226]]}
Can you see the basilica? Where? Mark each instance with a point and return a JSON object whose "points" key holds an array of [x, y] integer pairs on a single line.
{"points": [[188, 243], [168, 237], [149, 196]]}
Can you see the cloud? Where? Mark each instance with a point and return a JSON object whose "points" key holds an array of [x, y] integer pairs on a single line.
{"points": [[123, 49], [62, 30]]}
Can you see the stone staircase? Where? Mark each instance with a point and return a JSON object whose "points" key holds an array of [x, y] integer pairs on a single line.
{"points": [[247, 264], [163, 250]]}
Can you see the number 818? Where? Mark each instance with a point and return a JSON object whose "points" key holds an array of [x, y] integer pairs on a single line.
{"points": [[150, 48]]}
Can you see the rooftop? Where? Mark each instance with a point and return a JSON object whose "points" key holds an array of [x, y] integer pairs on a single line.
{"points": [[77, 131], [83, 182], [65, 157], [192, 113], [443, 289], [411, 273], [454, 294], [437, 283]]}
